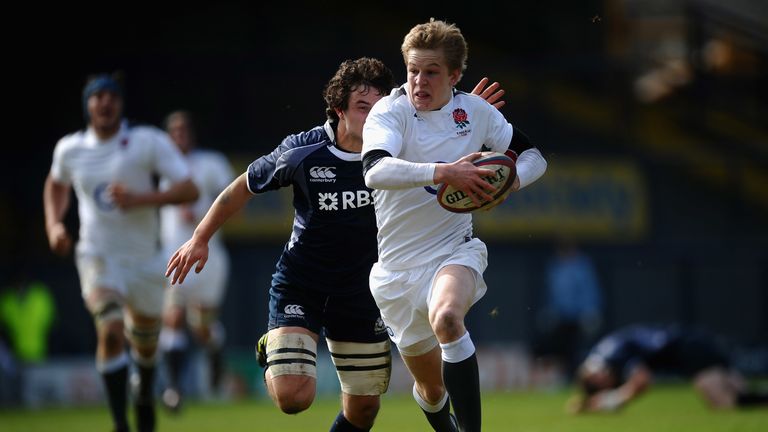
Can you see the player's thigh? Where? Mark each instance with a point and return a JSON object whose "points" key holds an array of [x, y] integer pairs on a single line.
{"points": [[292, 360], [145, 285], [453, 289], [293, 305], [358, 342], [715, 386], [401, 296], [102, 286], [458, 280]]}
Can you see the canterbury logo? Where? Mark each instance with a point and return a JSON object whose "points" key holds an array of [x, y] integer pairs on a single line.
{"points": [[293, 310], [322, 174]]}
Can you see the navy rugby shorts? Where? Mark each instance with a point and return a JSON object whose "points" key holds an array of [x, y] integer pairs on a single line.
{"points": [[350, 317]]}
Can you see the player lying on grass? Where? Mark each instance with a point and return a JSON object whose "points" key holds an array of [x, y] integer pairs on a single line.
{"points": [[621, 366]]}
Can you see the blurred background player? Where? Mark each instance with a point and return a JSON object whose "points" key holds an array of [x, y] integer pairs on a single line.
{"points": [[572, 313], [194, 305], [321, 283], [112, 167], [622, 364], [430, 268]]}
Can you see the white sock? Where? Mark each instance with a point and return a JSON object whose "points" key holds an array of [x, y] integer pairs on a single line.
{"points": [[172, 339], [458, 350], [426, 406], [110, 365]]}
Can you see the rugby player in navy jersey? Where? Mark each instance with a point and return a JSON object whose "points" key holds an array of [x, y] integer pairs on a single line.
{"points": [[621, 365], [321, 279]]}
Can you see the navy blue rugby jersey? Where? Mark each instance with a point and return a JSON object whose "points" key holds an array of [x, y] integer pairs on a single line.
{"points": [[624, 348], [333, 243], [664, 348]]}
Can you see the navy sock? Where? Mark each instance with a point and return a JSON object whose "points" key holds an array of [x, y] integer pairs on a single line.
{"points": [[462, 380], [116, 383], [144, 401], [175, 360], [441, 421], [216, 363], [341, 424], [747, 399]]}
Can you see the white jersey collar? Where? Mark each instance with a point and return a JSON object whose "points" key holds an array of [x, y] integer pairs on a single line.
{"points": [[328, 127], [91, 139], [334, 148]]}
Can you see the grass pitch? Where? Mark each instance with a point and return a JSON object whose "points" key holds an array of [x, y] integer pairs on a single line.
{"points": [[663, 409]]}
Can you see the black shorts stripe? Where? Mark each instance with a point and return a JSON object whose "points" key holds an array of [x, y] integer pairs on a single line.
{"points": [[293, 360], [108, 308], [360, 356], [364, 368], [291, 350]]}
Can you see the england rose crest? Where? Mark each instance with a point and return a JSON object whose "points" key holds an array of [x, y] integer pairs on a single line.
{"points": [[460, 118]]}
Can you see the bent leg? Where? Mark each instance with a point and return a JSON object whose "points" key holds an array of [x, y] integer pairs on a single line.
{"points": [[143, 332], [364, 370], [174, 344], [106, 307], [716, 387], [358, 413], [291, 368], [428, 389], [452, 295]]}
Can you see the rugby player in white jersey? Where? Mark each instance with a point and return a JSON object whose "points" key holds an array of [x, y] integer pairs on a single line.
{"points": [[430, 268], [320, 286], [112, 168], [194, 305]]}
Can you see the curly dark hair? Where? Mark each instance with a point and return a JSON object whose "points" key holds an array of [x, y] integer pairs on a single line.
{"points": [[365, 71]]}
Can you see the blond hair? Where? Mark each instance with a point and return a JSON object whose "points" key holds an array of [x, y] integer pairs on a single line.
{"points": [[438, 35]]}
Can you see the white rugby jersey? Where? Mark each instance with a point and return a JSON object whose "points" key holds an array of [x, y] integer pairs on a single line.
{"points": [[133, 157], [413, 228], [212, 173]]}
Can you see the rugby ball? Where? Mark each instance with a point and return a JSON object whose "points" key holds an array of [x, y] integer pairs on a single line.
{"points": [[502, 165]]}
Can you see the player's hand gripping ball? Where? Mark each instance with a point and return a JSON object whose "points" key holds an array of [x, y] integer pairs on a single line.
{"points": [[502, 165]]}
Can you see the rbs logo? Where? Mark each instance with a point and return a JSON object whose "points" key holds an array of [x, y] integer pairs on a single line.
{"points": [[348, 200]]}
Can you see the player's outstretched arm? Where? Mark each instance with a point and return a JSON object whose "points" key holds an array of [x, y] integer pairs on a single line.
{"points": [[195, 250], [180, 192], [611, 400], [492, 93], [56, 198]]}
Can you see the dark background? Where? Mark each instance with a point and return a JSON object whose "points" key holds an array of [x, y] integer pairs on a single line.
{"points": [[254, 74]]}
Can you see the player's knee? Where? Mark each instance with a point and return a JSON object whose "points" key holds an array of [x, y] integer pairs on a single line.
{"points": [[431, 393], [174, 317], [293, 394], [363, 412], [202, 334], [292, 355], [111, 336], [108, 318], [447, 323], [143, 336]]}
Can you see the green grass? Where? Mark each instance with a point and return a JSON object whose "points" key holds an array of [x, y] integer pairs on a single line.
{"points": [[672, 409]]}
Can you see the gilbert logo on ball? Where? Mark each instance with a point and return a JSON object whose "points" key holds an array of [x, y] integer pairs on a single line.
{"points": [[504, 171]]}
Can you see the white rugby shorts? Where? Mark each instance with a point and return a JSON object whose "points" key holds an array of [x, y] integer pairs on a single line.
{"points": [[206, 288], [140, 281], [403, 296]]}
